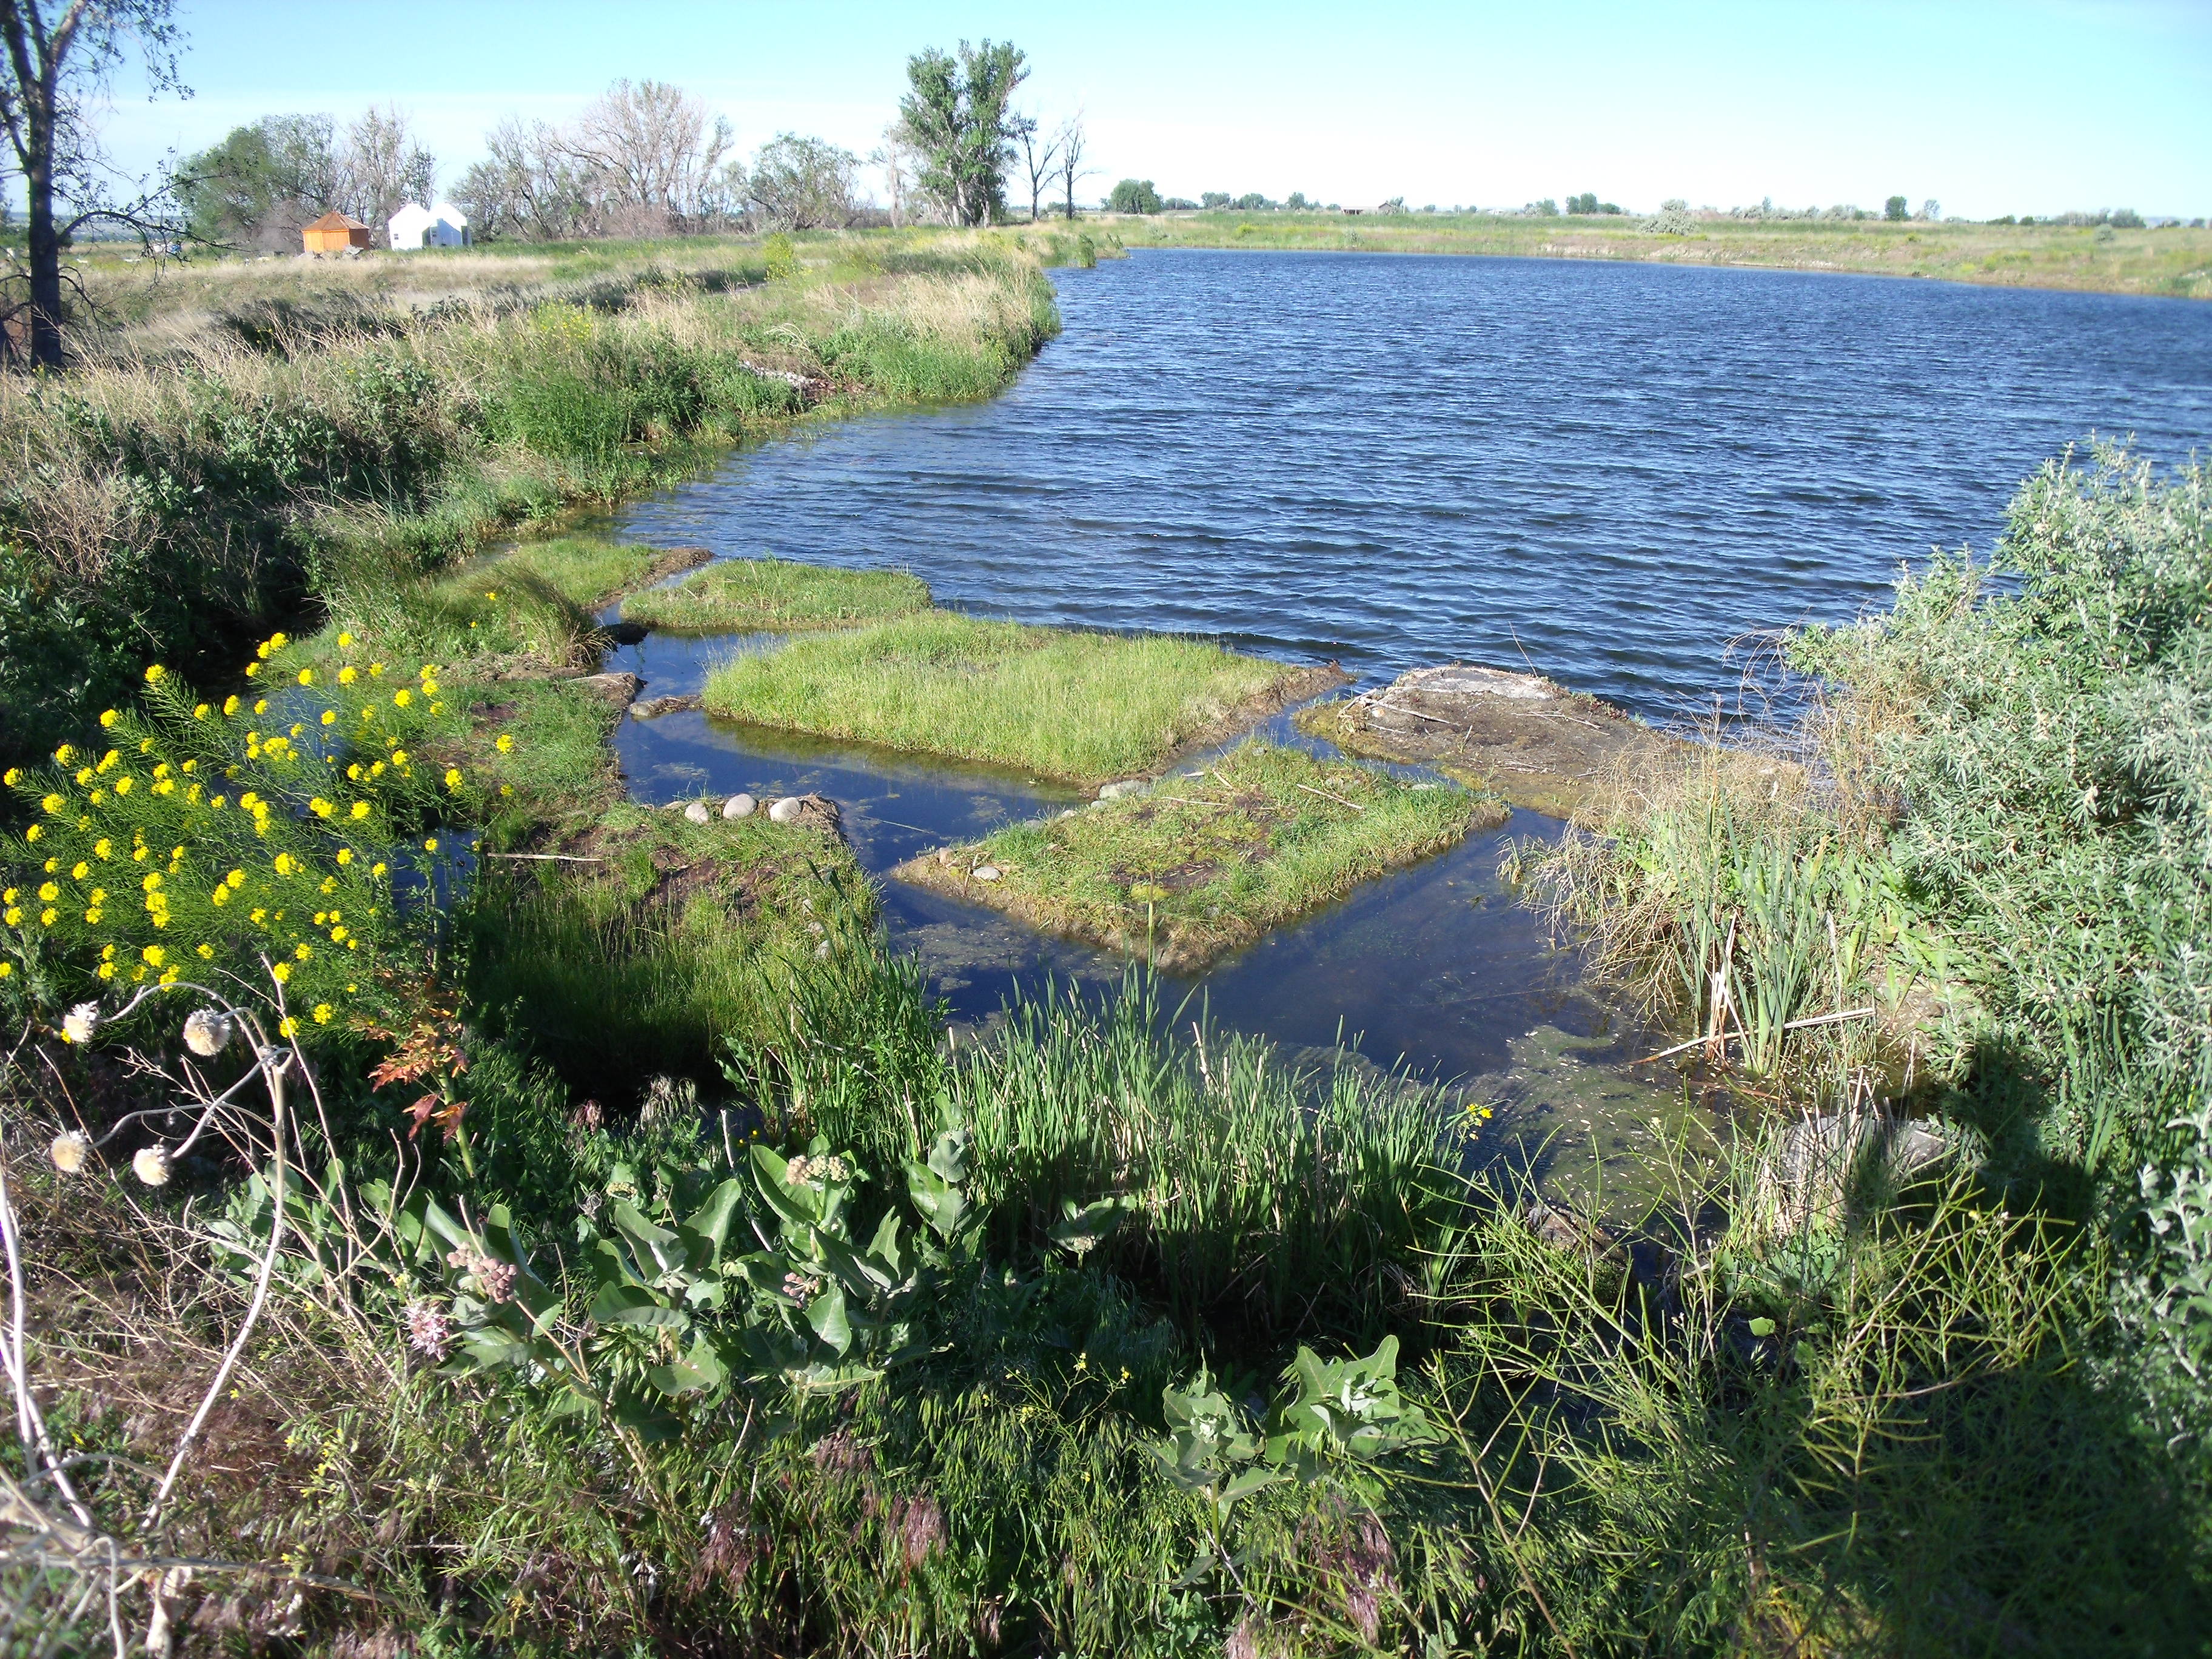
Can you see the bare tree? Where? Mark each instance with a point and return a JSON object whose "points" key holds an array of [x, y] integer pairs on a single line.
{"points": [[1040, 161], [57, 60], [1070, 141], [382, 167], [528, 185], [895, 157], [655, 151]]}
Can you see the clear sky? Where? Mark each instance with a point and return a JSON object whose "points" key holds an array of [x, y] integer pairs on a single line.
{"points": [[2030, 106]]}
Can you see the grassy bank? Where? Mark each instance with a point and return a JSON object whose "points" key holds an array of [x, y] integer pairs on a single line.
{"points": [[743, 596], [2173, 260], [1087, 707], [268, 435], [1207, 861]]}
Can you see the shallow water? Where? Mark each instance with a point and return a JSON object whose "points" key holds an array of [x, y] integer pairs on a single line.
{"points": [[1606, 472]]}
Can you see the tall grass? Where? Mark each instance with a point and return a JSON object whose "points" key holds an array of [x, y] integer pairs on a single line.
{"points": [[1061, 704], [172, 506]]}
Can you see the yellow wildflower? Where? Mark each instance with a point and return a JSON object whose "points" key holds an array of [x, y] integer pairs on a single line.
{"points": [[348, 675], [153, 953], [153, 674], [54, 803], [402, 698], [330, 717], [453, 777], [345, 856], [230, 706], [344, 639], [322, 1013], [361, 809], [108, 717], [304, 952], [282, 971], [506, 744]]}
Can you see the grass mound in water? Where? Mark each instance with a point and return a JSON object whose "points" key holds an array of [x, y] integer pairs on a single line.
{"points": [[1208, 862], [753, 595], [1055, 702]]}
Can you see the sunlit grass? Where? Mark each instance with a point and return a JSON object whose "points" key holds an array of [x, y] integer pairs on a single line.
{"points": [[1057, 703], [1208, 862], [737, 596]]}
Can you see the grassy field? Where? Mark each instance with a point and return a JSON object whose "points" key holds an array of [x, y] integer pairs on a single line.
{"points": [[2173, 260], [247, 438], [739, 596], [1085, 708], [1208, 862]]}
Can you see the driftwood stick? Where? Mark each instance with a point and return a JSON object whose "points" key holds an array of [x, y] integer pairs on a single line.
{"points": [[1722, 1037], [549, 858], [1395, 709], [1339, 800]]}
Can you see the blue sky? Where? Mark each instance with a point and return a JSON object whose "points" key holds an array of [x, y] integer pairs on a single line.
{"points": [[2027, 107]]}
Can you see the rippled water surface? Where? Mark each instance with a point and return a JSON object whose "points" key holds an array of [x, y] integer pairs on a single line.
{"points": [[1613, 469], [1608, 472]]}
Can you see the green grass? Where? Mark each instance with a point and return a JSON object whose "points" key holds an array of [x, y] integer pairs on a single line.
{"points": [[678, 938], [1054, 702], [1207, 863], [734, 596], [587, 570]]}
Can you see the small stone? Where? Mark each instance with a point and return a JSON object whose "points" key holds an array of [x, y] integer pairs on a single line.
{"points": [[739, 806], [987, 872], [697, 812], [1068, 813], [1124, 787], [822, 948], [785, 810]]}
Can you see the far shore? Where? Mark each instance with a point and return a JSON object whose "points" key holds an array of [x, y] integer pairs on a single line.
{"points": [[2172, 262]]}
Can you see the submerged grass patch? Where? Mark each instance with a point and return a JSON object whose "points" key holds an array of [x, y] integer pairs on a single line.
{"points": [[1210, 861], [733, 596], [1057, 703], [587, 570], [651, 940]]}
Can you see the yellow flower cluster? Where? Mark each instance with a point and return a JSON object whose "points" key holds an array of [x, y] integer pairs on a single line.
{"points": [[225, 838]]}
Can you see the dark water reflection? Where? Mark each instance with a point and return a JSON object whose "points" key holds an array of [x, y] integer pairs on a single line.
{"points": [[1605, 472]]}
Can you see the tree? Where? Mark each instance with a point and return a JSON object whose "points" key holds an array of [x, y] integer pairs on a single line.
{"points": [[1134, 195], [1931, 210], [382, 167], [1039, 161], [1585, 203], [1251, 202], [58, 60], [1894, 210], [957, 119], [895, 157], [653, 153], [1072, 140], [1213, 199], [257, 187], [1296, 200], [529, 185], [802, 183]]}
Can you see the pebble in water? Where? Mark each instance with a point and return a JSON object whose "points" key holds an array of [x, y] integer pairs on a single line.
{"points": [[697, 812], [785, 810], [739, 806]]}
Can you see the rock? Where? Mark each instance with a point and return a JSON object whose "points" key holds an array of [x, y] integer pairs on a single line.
{"points": [[986, 873], [697, 812], [1125, 786], [654, 707], [785, 810], [739, 806], [619, 689], [1068, 813], [626, 633]]}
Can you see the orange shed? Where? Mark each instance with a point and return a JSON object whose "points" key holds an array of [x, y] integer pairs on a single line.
{"points": [[334, 233]]}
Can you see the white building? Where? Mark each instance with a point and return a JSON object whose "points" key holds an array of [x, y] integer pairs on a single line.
{"points": [[440, 225]]}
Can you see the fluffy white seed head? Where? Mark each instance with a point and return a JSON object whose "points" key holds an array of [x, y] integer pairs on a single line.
{"points": [[71, 1152], [207, 1032], [81, 1022], [151, 1165]]}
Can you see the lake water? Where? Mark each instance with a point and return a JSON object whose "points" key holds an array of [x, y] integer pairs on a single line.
{"points": [[1607, 472]]}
